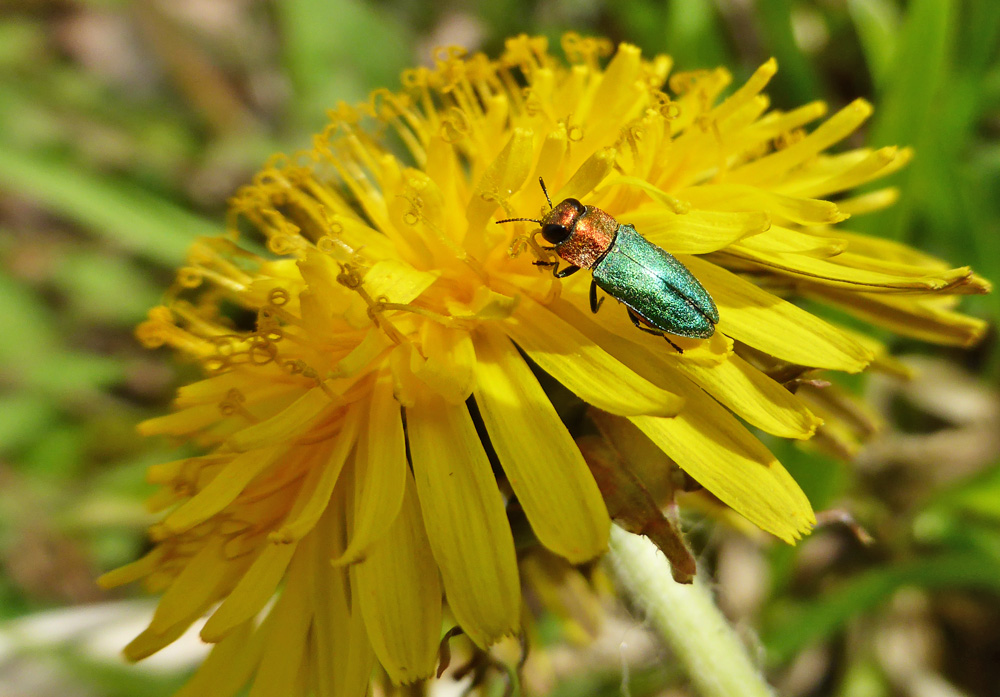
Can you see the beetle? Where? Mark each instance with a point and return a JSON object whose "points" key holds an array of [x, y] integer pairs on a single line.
{"points": [[660, 294]]}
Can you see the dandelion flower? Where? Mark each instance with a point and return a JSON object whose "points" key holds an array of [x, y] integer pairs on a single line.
{"points": [[367, 434]]}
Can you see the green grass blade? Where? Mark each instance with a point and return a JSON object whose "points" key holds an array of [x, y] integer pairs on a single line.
{"points": [[796, 78], [339, 50], [877, 23], [907, 106], [867, 591], [120, 212]]}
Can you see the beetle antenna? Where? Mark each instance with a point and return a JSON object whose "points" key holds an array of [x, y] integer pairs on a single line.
{"points": [[546, 192], [516, 220]]}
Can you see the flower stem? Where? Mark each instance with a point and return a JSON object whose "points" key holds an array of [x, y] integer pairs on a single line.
{"points": [[688, 620]]}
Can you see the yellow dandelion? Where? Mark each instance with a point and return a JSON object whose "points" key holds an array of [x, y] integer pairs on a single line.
{"points": [[367, 434]]}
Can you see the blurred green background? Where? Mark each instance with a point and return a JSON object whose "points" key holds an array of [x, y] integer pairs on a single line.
{"points": [[124, 127]]}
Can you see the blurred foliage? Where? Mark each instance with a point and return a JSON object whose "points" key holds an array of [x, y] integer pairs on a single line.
{"points": [[125, 125]]}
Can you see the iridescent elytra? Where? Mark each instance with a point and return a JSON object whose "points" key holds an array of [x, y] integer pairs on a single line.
{"points": [[661, 295]]}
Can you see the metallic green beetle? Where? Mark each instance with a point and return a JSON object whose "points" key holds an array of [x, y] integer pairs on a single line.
{"points": [[661, 295]]}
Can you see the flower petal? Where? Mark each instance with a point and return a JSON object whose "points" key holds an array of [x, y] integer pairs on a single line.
{"points": [[750, 314], [252, 592], [228, 666], [504, 176], [710, 445], [877, 163], [782, 240], [465, 519], [286, 631], [740, 197], [591, 173], [293, 419], [584, 368], [698, 231], [398, 590], [194, 589], [446, 365], [397, 281], [837, 273], [767, 169], [754, 397], [379, 472], [560, 498], [342, 658], [905, 316], [223, 489], [313, 500]]}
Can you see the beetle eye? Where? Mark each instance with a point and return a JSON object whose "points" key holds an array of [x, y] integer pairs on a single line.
{"points": [[554, 233]]}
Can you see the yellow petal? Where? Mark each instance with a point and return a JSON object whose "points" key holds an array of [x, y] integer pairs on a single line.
{"points": [[730, 197], [615, 90], [504, 176], [195, 588], [584, 367], [149, 642], [229, 665], [286, 630], [698, 231], [553, 151], [743, 94], [132, 571], [313, 499], [465, 519], [252, 592], [836, 272], [708, 443], [397, 281], [890, 250], [223, 489], [181, 422], [754, 397], [379, 472], [768, 168], [591, 173], [398, 590], [447, 362], [338, 638], [875, 164], [782, 240], [285, 425], [905, 316], [560, 499], [750, 314]]}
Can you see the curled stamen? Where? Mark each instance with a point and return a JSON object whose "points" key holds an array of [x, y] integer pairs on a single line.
{"points": [[261, 352], [349, 277], [189, 277], [278, 296], [523, 242], [233, 405]]}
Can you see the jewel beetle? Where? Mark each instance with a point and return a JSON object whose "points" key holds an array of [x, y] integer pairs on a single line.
{"points": [[660, 294]]}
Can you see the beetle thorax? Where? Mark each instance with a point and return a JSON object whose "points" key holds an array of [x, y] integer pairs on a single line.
{"points": [[591, 232]]}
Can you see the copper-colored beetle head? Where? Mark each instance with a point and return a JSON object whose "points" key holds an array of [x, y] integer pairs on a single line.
{"points": [[559, 223], [580, 234]]}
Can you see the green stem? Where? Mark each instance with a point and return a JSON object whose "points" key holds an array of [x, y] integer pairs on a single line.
{"points": [[688, 620]]}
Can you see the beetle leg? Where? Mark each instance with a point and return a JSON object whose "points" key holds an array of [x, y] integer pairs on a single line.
{"points": [[568, 271], [635, 320], [595, 304]]}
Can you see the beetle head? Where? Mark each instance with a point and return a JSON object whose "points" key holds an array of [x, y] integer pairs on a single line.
{"points": [[559, 223]]}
